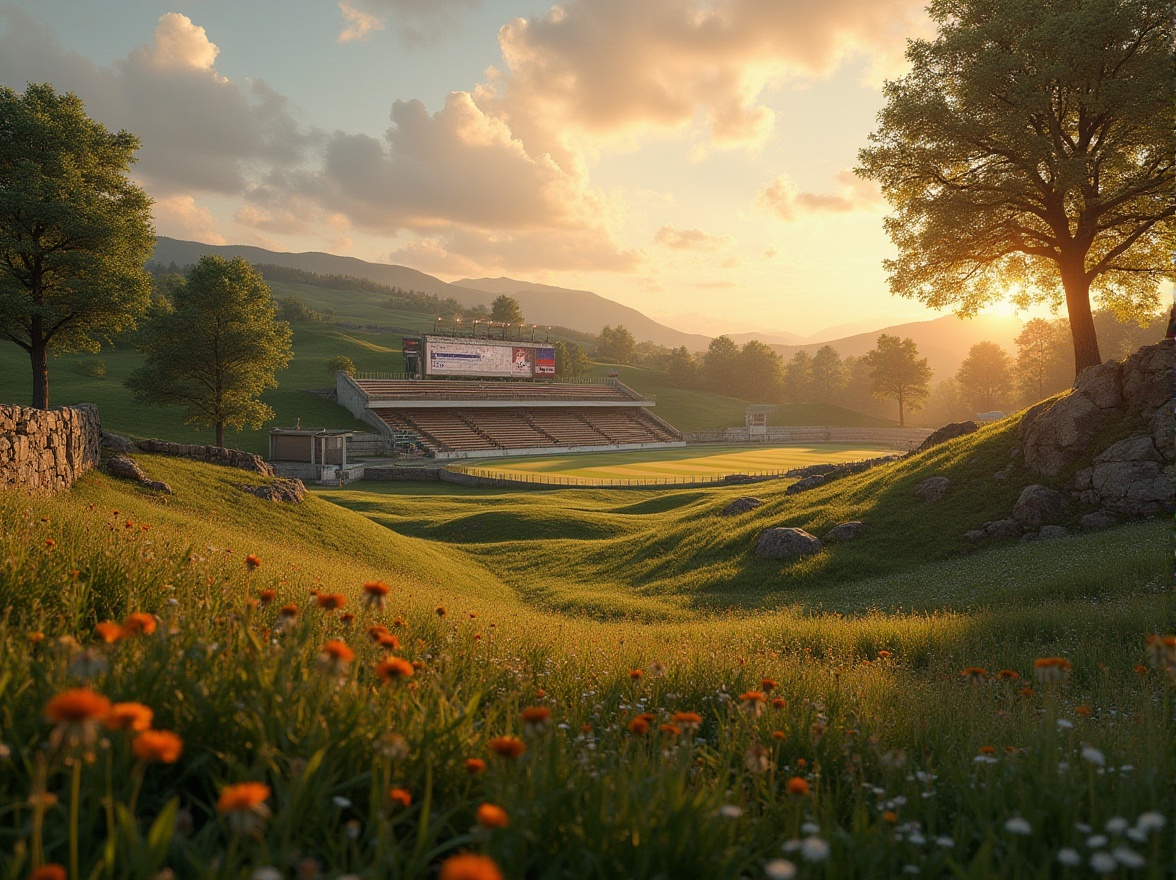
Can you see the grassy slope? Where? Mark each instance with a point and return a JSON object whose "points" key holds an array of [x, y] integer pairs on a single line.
{"points": [[250, 706], [671, 554]]}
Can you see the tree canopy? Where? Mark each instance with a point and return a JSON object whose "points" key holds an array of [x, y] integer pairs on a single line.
{"points": [[986, 377], [506, 310], [898, 373], [616, 345], [1030, 149], [217, 350], [75, 231]]}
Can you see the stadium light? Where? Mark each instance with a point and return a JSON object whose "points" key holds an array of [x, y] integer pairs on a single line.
{"points": [[532, 332]]}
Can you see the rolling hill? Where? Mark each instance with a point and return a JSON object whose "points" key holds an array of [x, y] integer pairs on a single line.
{"points": [[556, 306]]}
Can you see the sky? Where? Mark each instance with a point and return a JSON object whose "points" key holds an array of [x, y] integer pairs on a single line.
{"points": [[689, 158]]}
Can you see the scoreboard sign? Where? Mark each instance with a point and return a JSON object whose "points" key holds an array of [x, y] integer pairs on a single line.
{"points": [[460, 357]]}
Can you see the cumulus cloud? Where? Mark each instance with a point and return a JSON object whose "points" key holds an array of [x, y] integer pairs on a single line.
{"points": [[416, 21], [690, 239], [199, 131], [609, 68], [463, 251], [852, 194], [357, 24], [179, 216]]}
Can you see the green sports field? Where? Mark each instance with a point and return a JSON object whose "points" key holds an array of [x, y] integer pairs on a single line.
{"points": [[712, 461]]}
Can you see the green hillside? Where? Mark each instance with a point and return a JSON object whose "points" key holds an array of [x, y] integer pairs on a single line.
{"points": [[832, 715]]}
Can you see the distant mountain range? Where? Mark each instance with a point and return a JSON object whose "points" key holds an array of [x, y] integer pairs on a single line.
{"points": [[943, 341], [541, 304]]}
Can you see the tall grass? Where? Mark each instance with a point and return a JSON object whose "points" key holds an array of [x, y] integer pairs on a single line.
{"points": [[908, 764]]}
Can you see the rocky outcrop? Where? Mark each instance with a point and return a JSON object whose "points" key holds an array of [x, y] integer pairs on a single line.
{"points": [[47, 450], [947, 432], [126, 468], [278, 490], [1039, 505], [741, 505], [805, 484], [235, 458], [1128, 478], [116, 443], [786, 543], [846, 531], [932, 488], [1132, 477]]}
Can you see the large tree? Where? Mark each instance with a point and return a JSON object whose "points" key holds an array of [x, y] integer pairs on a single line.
{"points": [[829, 374], [720, 365], [986, 376], [1043, 352], [898, 373], [1030, 149], [506, 310], [217, 350], [75, 231]]}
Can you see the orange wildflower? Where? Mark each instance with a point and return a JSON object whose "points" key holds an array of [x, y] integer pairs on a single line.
{"points": [[884, 655], [392, 668], [1051, 670], [798, 786], [376, 630], [139, 623], [158, 745], [507, 746], [347, 618], [768, 685], [388, 642], [335, 658], [890, 817], [242, 797], [1140, 669], [50, 543], [110, 632], [441, 612], [252, 562], [752, 702], [266, 597], [777, 735], [474, 766], [1008, 675], [778, 703], [636, 674], [36, 637], [690, 721], [1082, 711], [670, 729], [77, 706], [468, 866], [244, 803], [129, 716], [535, 719], [375, 594], [401, 796], [974, 674], [987, 750], [492, 816], [330, 601], [638, 726], [1026, 692], [51, 871]]}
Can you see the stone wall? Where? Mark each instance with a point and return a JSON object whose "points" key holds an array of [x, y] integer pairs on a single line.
{"points": [[47, 450]]}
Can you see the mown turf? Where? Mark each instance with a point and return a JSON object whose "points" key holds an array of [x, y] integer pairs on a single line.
{"points": [[680, 463]]}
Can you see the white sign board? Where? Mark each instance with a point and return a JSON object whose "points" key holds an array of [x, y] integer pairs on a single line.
{"points": [[459, 358]]}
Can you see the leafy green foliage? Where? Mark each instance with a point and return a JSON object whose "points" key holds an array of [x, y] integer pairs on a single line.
{"points": [[506, 310], [74, 230], [217, 350], [898, 373], [1031, 146], [986, 378]]}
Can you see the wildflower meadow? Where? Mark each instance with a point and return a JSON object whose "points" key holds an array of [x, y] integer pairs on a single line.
{"points": [[211, 686]]}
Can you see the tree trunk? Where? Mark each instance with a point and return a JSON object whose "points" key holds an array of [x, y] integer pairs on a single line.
{"points": [[220, 434], [1077, 287], [901, 419], [39, 355]]}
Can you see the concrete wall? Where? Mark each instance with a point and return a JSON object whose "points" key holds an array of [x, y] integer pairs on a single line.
{"points": [[349, 395], [47, 450]]}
